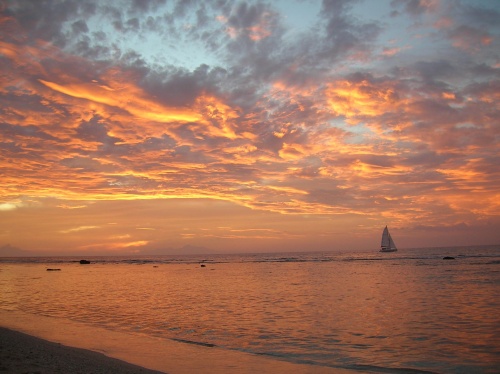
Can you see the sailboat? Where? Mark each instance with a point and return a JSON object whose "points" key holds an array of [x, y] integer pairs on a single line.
{"points": [[387, 244]]}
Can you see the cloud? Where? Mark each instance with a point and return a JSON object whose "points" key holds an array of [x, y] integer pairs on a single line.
{"points": [[115, 246], [344, 35], [142, 108], [470, 39], [255, 22], [227, 101], [65, 206], [8, 206], [416, 7], [77, 229]]}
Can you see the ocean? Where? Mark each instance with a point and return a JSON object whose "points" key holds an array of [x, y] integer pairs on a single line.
{"points": [[408, 311]]}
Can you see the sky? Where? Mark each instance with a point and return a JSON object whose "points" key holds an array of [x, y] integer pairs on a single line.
{"points": [[168, 126]]}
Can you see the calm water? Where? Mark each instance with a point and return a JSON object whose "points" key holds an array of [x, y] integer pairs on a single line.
{"points": [[363, 311]]}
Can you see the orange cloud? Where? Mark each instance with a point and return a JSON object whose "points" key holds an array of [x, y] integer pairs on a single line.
{"points": [[292, 151], [448, 95], [390, 51], [366, 170], [218, 117], [79, 228], [138, 243], [126, 98], [355, 100]]}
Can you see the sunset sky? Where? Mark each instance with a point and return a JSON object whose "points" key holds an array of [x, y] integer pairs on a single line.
{"points": [[148, 126]]}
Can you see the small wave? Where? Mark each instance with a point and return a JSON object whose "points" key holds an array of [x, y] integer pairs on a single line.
{"points": [[424, 256], [383, 369], [194, 342]]}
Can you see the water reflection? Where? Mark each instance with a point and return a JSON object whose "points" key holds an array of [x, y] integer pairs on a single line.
{"points": [[409, 313]]}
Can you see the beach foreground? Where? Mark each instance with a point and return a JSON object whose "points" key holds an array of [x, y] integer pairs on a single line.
{"points": [[21, 353], [35, 344]]}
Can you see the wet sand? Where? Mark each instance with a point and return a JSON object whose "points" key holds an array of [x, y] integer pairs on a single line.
{"points": [[34, 344], [21, 353]]}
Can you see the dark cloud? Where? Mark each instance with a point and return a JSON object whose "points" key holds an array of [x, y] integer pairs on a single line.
{"points": [[164, 143], [146, 6], [435, 70], [28, 131], [180, 87], [244, 15], [412, 7], [84, 164], [469, 38], [484, 15], [344, 34], [44, 19], [79, 27], [95, 130], [427, 159]]}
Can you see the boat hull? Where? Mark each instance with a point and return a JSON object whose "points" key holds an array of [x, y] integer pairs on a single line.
{"points": [[388, 250]]}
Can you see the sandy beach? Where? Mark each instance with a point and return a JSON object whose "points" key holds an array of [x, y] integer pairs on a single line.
{"points": [[34, 344], [21, 353]]}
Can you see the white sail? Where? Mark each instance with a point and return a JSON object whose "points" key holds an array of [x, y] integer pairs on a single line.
{"points": [[387, 244]]}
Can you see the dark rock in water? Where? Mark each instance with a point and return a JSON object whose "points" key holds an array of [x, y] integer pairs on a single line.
{"points": [[448, 258], [84, 262], [202, 265], [49, 269]]}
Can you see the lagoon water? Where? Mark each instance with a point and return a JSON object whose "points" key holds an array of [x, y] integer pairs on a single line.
{"points": [[376, 312]]}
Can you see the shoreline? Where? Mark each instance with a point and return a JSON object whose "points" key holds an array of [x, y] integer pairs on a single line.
{"points": [[22, 353], [137, 353]]}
